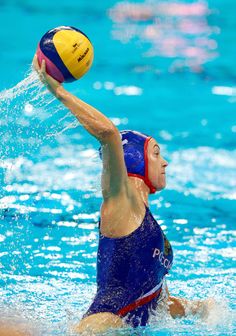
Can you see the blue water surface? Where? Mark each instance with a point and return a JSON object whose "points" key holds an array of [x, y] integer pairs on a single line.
{"points": [[166, 68]]}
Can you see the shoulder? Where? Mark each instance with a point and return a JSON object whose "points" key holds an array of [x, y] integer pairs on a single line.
{"points": [[125, 201], [122, 214]]}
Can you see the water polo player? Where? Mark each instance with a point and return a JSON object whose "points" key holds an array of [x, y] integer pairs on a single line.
{"points": [[134, 254]]}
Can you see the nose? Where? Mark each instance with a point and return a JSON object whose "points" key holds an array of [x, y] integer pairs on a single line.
{"points": [[165, 163]]}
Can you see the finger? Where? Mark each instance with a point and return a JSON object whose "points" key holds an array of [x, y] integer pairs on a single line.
{"points": [[43, 67], [35, 63], [35, 60]]}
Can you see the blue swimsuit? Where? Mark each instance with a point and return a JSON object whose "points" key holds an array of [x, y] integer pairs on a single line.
{"points": [[130, 272]]}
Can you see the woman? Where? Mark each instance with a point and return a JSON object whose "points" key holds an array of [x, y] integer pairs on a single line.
{"points": [[133, 255]]}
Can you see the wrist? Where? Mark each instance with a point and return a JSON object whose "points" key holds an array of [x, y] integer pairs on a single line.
{"points": [[60, 92]]}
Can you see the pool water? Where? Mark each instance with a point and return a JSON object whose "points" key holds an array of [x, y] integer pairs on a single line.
{"points": [[166, 68]]}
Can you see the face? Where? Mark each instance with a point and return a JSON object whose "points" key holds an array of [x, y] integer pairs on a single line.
{"points": [[156, 165]]}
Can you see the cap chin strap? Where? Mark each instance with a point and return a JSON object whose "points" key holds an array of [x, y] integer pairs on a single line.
{"points": [[145, 178], [146, 181]]}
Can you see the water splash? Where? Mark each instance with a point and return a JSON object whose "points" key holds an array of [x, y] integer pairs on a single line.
{"points": [[30, 118], [30, 81]]}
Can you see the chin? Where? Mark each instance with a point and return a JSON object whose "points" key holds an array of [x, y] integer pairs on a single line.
{"points": [[160, 186]]}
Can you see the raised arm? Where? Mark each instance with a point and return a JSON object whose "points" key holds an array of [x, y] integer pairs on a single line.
{"points": [[114, 177]]}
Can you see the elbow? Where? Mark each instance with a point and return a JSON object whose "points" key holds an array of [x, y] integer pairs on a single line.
{"points": [[107, 133]]}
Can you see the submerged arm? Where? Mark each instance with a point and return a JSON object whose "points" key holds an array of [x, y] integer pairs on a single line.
{"points": [[180, 307]]}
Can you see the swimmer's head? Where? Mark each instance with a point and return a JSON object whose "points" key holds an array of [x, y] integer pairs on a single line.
{"points": [[143, 159]]}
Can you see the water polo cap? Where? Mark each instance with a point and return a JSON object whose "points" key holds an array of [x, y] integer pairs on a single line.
{"points": [[135, 146]]}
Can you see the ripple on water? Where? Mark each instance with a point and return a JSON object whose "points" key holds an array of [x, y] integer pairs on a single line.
{"points": [[205, 172]]}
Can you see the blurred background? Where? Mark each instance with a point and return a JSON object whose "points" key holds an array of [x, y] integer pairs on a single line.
{"points": [[165, 68]]}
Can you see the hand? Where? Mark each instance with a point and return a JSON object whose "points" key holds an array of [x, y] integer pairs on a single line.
{"points": [[51, 83], [207, 306]]}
